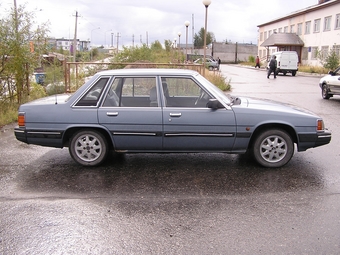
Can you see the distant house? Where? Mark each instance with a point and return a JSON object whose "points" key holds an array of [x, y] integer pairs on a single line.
{"points": [[67, 44], [307, 31]]}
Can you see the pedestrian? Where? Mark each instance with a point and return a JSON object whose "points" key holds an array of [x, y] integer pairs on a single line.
{"points": [[272, 67], [218, 63], [257, 62]]}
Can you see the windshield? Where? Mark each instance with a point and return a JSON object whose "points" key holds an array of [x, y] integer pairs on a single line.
{"points": [[218, 93]]}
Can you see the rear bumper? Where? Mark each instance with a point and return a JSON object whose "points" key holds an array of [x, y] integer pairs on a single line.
{"points": [[20, 134], [39, 137]]}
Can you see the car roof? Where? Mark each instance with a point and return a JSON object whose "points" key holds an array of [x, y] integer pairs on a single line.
{"points": [[148, 71]]}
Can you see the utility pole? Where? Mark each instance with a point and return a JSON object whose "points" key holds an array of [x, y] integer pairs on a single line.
{"points": [[112, 34], [118, 35], [147, 39], [193, 31], [75, 39]]}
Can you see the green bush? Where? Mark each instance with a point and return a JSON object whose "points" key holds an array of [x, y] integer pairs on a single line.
{"points": [[251, 59]]}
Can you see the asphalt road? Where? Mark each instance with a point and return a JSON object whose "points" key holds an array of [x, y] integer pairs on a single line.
{"points": [[177, 203]]}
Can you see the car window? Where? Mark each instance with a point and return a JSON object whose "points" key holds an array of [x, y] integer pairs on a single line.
{"points": [[183, 92], [92, 96], [132, 92]]}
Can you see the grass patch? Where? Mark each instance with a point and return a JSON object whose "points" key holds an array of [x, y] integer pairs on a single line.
{"points": [[218, 80], [313, 69], [8, 113]]}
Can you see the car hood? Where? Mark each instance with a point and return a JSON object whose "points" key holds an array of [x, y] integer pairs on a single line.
{"points": [[326, 77], [273, 106]]}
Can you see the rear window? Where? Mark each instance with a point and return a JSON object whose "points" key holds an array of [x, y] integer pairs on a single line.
{"points": [[92, 96]]}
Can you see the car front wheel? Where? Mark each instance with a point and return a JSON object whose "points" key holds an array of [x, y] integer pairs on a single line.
{"points": [[88, 147], [273, 148], [325, 94]]}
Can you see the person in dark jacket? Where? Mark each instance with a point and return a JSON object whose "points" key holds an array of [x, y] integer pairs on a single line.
{"points": [[272, 67]]}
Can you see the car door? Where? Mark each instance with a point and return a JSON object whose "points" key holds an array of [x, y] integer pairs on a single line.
{"points": [[130, 111], [189, 125], [334, 81]]}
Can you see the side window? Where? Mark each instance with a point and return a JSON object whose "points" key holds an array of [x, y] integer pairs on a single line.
{"points": [[132, 92], [183, 92], [92, 96]]}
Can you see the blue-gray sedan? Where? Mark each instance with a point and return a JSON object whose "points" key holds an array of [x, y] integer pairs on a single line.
{"points": [[166, 110]]}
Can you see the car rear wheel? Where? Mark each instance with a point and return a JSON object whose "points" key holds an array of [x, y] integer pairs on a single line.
{"points": [[293, 73], [88, 147], [273, 148], [325, 94]]}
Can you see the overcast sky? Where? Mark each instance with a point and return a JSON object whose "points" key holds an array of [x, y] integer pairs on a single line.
{"points": [[149, 20]]}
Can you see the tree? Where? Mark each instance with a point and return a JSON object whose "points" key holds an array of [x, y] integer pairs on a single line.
{"points": [[331, 61], [20, 49], [157, 46], [199, 38]]}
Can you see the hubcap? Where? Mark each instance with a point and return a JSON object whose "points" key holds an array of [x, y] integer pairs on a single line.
{"points": [[88, 148], [273, 149]]}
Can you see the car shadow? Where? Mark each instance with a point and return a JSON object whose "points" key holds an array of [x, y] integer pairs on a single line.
{"points": [[141, 175]]}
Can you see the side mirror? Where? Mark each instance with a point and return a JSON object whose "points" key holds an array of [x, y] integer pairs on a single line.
{"points": [[331, 72], [214, 104]]}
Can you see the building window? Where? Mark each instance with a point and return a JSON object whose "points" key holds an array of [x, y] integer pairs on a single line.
{"points": [[292, 27], [261, 36], [280, 30], [265, 35], [269, 33], [307, 27], [285, 29], [316, 26], [314, 53], [336, 49], [304, 54], [337, 21], [299, 29], [324, 52], [327, 24], [274, 31]]}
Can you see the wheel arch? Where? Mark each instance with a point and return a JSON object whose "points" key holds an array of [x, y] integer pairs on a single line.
{"points": [[285, 127], [69, 132]]}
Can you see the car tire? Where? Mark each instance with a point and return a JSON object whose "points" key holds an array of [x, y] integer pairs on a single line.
{"points": [[324, 92], [293, 73], [273, 148], [88, 147], [211, 68]]}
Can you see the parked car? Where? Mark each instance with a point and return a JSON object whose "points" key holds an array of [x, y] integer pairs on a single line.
{"points": [[287, 62], [210, 63], [330, 84], [166, 110]]}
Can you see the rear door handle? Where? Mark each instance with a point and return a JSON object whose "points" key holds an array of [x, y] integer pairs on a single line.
{"points": [[175, 115]]}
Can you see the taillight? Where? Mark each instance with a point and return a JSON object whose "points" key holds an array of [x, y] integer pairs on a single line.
{"points": [[21, 120], [320, 125]]}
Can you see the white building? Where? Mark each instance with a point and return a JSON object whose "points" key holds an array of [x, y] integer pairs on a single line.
{"points": [[307, 31]]}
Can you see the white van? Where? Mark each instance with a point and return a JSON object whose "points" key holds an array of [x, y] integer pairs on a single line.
{"points": [[287, 62]]}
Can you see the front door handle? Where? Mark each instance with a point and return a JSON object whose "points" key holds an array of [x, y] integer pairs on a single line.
{"points": [[112, 114]]}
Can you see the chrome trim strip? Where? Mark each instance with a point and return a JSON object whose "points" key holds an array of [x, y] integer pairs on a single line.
{"points": [[324, 136], [198, 134], [19, 131], [44, 133], [130, 133]]}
